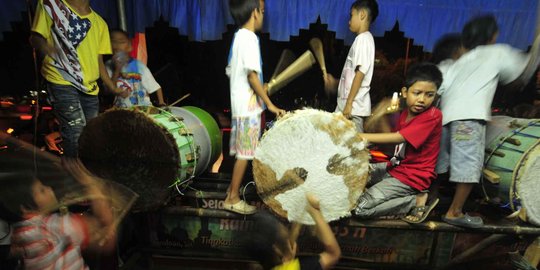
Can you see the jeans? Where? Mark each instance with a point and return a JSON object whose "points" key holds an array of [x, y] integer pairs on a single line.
{"points": [[72, 108], [385, 196]]}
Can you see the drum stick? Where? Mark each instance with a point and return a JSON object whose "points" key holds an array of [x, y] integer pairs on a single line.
{"points": [[297, 68], [317, 48], [180, 99], [376, 123], [286, 59]]}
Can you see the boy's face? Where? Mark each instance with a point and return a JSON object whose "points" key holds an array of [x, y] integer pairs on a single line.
{"points": [[259, 15], [419, 96], [43, 196], [356, 20], [120, 43]]}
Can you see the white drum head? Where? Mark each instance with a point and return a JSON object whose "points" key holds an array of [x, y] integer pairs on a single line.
{"points": [[311, 151]]}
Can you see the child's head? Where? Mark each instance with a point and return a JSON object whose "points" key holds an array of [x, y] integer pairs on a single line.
{"points": [[482, 30], [26, 194], [120, 41], [268, 243], [447, 47], [363, 12], [421, 84], [243, 11]]}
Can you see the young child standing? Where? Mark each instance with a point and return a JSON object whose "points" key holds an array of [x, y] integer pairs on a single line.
{"points": [[394, 186], [248, 95], [73, 38], [353, 98], [130, 74], [466, 96]]}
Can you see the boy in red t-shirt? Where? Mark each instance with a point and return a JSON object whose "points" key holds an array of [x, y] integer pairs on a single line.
{"points": [[395, 187]]}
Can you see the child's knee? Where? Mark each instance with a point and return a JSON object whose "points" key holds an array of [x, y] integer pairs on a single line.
{"points": [[364, 204]]}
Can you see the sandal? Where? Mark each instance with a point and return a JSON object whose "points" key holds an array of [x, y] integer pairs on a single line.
{"points": [[420, 213]]}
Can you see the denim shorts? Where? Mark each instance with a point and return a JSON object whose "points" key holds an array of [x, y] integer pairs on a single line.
{"points": [[462, 150]]}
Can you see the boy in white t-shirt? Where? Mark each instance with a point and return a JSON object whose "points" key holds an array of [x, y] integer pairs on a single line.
{"points": [[248, 96], [354, 85], [466, 95], [130, 74]]}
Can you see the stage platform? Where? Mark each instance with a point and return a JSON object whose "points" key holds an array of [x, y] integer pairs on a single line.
{"points": [[195, 232]]}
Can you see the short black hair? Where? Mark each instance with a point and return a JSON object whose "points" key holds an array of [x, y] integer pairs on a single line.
{"points": [[426, 72], [445, 47], [479, 31], [241, 10], [119, 31], [17, 192], [370, 5], [259, 243]]}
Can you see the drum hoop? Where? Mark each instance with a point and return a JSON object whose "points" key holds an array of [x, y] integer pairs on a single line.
{"points": [[191, 144], [516, 174]]}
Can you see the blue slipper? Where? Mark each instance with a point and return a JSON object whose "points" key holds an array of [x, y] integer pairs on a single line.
{"points": [[465, 221]]}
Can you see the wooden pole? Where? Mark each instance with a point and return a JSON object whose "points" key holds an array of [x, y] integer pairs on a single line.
{"points": [[407, 56]]}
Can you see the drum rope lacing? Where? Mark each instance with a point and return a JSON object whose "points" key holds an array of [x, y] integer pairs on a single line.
{"points": [[501, 146]]}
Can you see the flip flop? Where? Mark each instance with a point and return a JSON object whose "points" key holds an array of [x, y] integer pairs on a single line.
{"points": [[426, 209], [465, 221]]}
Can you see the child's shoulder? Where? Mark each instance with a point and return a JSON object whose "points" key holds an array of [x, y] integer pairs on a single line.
{"points": [[431, 113]]}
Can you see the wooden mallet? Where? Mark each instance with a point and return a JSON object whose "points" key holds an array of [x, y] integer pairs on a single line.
{"points": [[297, 68], [316, 46], [286, 59]]}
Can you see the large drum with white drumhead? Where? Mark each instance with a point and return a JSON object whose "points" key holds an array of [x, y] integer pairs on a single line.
{"points": [[311, 151]]}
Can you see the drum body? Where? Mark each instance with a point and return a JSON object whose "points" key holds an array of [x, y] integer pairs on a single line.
{"points": [[150, 149], [311, 151], [512, 165]]}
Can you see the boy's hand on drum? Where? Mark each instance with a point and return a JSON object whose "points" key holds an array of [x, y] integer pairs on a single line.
{"points": [[347, 110], [277, 111]]}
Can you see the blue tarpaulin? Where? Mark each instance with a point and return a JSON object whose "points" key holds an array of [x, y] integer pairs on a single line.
{"points": [[422, 20]]}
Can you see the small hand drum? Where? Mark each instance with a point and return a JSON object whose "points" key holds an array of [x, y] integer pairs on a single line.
{"points": [[311, 151]]}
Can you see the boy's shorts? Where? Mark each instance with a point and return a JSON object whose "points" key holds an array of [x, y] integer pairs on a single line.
{"points": [[358, 123], [462, 150], [245, 134]]}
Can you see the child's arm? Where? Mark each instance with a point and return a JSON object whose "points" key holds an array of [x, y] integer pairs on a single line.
{"points": [[40, 43], [532, 65], [109, 84], [330, 83], [394, 137], [330, 256], [355, 87], [159, 94], [255, 83]]}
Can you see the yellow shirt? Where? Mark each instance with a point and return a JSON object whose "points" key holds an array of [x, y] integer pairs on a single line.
{"points": [[86, 46], [290, 265]]}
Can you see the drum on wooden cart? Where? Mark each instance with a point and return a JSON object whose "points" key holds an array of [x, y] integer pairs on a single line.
{"points": [[150, 150], [511, 175]]}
